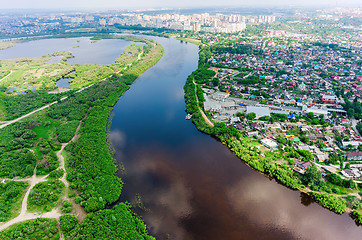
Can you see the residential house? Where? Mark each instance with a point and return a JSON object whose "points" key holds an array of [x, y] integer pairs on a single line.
{"points": [[353, 156]]}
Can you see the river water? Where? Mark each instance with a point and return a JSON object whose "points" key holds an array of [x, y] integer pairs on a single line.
{"points": [[192, 186]]}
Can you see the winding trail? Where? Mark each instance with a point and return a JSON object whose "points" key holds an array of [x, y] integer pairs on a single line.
{"points": [[207, 120], [33, 180], [24, 215]]}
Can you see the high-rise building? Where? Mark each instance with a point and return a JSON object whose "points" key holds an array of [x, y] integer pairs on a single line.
{"points": [[196, 27]]}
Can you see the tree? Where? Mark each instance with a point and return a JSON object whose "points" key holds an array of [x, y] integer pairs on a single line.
{"points": [[215, 82], [304, 139], [313, 177], [359, 147], [281, 139], [251, 116], [333, 158]]}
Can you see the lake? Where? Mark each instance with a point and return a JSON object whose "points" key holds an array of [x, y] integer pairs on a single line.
{"points": [[104, 51]]}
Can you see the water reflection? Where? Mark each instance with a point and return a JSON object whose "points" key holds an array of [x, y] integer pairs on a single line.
{"points": [[305, 199], [192, 185]]}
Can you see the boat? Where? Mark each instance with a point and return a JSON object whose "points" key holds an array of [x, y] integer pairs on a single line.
{"points": [[188, 116]]}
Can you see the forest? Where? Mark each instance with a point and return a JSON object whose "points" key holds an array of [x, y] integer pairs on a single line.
{"points": [[90, 168]]}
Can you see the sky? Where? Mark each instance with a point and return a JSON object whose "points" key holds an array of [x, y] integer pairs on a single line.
{"points": [[131, 4]]}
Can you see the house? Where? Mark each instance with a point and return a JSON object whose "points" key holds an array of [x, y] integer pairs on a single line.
{"points": [[353, 156], [256, 125], [322, 157], [252, 134], [329, 139], [352, 143], [234, 120], [269, 143], [328, 99], [312, 137], [301, 166], [349, 173], [345, 120], [240, 126]]}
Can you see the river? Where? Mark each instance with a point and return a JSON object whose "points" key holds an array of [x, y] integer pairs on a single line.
{"points": [[191, 186]]}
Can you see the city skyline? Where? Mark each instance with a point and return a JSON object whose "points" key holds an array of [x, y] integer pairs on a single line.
{"points": [[143, 4]]}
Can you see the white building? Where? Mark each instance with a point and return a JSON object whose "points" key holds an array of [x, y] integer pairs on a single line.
{"points": [[259, 111], [269, 143]]}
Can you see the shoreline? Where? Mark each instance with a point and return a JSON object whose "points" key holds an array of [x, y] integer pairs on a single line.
{"points": [[234, 141], [142, 64]]}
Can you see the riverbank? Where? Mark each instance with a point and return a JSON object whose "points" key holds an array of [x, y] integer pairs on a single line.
{"points": [[90, 167], [266, 162], [7, 44]]}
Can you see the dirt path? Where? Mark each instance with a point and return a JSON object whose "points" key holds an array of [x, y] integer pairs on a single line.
{"points": [[33, 180], [11, 72], [6, 123], [139, 55], [24, 215], [77, 209], [207, 120]]}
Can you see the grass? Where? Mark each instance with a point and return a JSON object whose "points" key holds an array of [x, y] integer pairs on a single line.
{"points": [[4, 73], [11, 196], [190, 40], [7, 44], [45, 196], [39, 229], [129, 54], [337, 189], [6, 136], [17, 206], [29, 73], [46, 128]]}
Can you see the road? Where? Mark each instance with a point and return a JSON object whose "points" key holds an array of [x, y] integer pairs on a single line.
{"points": [[354, 124], [6, 123], [207, 120], [26, 115], [330, 168]]}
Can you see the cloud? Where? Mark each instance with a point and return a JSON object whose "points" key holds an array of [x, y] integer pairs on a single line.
{"points": [[266, 204], [118, 138]]}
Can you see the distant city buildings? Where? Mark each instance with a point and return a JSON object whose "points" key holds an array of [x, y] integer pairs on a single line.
{"points": [[218, 23]]}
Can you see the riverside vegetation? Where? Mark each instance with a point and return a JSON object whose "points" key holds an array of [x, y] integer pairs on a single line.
{"points": [[332, 194], [78, 122]]}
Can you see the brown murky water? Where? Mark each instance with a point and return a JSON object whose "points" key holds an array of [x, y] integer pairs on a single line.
{"points": [[192, 186]]}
